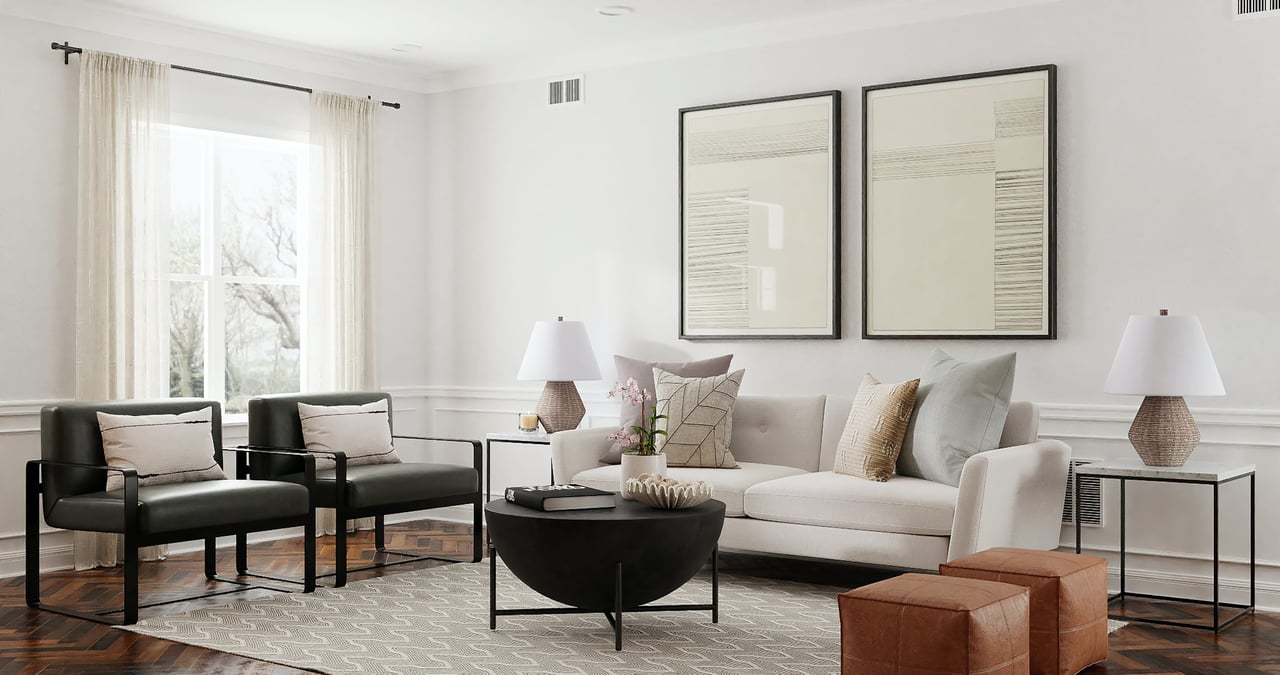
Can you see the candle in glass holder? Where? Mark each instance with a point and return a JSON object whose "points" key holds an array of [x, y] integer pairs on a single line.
{"points": [[528, 421]]}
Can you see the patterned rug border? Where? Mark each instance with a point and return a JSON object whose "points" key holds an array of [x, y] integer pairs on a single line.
{"points": [[782, 626], [765, 625]]}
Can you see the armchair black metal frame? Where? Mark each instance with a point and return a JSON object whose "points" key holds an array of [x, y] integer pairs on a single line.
{"points": [[38, 480], [344, 511]]}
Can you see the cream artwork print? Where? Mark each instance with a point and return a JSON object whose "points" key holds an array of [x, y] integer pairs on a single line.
{"points": [[759, 201], [958, 206]]}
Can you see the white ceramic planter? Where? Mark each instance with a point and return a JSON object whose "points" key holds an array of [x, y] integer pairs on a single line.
{"points": [[634, 465]]}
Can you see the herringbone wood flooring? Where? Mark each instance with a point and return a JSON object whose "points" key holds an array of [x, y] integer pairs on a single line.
{"points": [[32, 641]]}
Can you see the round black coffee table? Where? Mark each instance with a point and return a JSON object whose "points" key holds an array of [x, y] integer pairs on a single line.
{"points": [[604, 560]]}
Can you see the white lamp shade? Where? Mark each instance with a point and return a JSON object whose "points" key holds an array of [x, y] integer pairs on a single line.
{"points": [[559, 351], [1164, 356]]}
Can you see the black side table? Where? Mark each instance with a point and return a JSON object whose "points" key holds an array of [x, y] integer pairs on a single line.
{"points": [[516, 437], [604, 560], [1216, 474]]}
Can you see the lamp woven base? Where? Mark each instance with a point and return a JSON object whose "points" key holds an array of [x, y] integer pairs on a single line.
{"points": [[1163, 432], [560, 407]]}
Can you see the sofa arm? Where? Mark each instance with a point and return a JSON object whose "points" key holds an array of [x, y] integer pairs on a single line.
{"points": [[573, 452], [1011, 497]]}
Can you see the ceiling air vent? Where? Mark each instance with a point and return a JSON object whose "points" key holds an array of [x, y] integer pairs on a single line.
{"points": [[1255, 9], [568, 89], [1090, 497]]}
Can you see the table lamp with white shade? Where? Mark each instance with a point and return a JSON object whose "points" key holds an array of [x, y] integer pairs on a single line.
{"points": [[559, 352], [1164, 358]]}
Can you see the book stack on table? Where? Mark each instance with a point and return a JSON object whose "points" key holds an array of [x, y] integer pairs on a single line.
{"points": [[566, 497]]}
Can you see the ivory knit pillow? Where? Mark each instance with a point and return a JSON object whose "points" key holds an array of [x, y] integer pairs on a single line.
{"points": [[161, 448], [873, 434], [363, 432], [699, 420]]}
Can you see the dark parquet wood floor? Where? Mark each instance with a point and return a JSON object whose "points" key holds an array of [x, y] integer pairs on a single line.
{"points": [[42, 642]]}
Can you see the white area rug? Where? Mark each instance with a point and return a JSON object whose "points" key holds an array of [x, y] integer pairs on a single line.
{"points": [[436, 620]]}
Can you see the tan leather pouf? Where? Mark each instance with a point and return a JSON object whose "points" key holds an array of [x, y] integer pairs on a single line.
{"points": [[1068, 601], [921, 623]]}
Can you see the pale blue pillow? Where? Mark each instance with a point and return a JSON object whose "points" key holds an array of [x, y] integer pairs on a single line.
{"points": [[960, 411]]}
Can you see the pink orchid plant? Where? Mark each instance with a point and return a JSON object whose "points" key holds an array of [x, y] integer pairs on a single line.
{"points": [[640, 439]]}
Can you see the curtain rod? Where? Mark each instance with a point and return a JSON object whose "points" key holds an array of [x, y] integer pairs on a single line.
{"points": [[67, 50]]}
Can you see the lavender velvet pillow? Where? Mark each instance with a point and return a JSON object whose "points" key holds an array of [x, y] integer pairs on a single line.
{"points": [[643, 372]]}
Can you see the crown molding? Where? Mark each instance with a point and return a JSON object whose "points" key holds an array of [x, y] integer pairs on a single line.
{"points": [[195, 40], [862, 17]]}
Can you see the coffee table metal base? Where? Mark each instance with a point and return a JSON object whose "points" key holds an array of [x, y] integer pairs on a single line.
{"points": [[614, 617]]}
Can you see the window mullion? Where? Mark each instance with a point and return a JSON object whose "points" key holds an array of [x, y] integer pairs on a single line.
{"points": [[215, 359]]}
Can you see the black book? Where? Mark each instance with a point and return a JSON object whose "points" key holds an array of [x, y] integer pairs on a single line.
{"points": [[560, 497]]}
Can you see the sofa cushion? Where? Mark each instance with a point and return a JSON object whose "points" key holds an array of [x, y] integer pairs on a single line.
{"points": [[960, 411], [785, 430], [900, 504], [695, 418], [729, 485], [873, 433], [630, 414]]}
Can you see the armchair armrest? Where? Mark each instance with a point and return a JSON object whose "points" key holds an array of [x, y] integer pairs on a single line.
{"points": [[1011, 497], [573, 452], [242, 460], [477, 459]]}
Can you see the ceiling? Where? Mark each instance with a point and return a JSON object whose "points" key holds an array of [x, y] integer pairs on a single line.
{"points": [[467, 42]]}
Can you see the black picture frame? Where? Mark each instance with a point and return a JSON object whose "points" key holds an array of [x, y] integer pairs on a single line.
{"points": [[910, 158], [762, 148]]}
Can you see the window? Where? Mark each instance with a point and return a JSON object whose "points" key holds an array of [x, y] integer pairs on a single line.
{"points": [[235, 280]]}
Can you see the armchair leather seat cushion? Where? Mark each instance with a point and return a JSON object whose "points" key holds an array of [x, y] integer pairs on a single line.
{"points": [[373, 485], [176, 507]]}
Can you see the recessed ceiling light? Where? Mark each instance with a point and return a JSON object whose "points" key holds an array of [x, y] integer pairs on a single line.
{"points": [[406, 47], [615, 10]]}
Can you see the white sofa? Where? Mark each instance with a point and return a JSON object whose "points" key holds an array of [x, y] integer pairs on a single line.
{"points": [[786, 500]]}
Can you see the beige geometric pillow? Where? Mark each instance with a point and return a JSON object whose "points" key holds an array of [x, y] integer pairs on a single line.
{"points": [[161, 448], [699, 422], [873, 434], [363, 432]]}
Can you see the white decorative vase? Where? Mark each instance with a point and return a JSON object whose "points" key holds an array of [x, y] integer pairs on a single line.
{"points": [[634, 465]]}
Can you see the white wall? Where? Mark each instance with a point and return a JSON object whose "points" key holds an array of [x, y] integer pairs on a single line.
{"points": [[38, 108], [1167, 198]]}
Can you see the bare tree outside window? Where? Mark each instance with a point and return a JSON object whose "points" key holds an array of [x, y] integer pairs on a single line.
{"points": [[235, 289]]}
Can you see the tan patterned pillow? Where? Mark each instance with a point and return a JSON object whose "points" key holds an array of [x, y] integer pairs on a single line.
{"points": [[699, 422], [877, 422]]}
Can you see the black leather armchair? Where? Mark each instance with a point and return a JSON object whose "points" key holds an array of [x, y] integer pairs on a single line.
{"points": [[366, 490], [71, 477]]}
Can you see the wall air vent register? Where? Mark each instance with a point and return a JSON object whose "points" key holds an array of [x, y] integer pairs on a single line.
{"points": [[1090, 497], [1255, 9], [566, 90]]}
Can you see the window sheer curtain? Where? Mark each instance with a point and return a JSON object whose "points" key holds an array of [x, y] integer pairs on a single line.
{"points": [[339, 304], [122, 246]]}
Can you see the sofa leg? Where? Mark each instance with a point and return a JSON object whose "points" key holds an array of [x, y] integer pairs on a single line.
{"points": [[309, 553], [340, 549], [210, 557], [242, 554], [130, 581], [477, 530], [33, 535]]}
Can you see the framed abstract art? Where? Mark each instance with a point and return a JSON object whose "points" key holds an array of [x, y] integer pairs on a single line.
{"points": [[958, 206], [760, 218]]}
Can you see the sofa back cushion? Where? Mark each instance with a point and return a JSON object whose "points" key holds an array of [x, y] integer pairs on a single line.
{"points": [[782, 430], [1022, 426]]}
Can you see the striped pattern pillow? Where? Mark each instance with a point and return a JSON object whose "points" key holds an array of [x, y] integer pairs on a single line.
{"points": [[363, 432], [873, 434], [161, 448], [699, 422]]}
